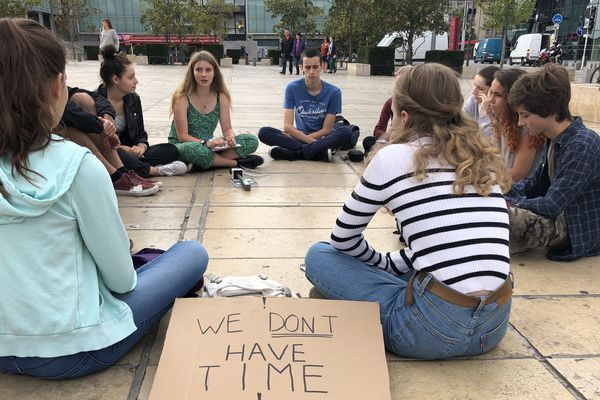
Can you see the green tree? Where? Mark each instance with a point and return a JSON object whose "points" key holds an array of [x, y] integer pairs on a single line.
{"points": [[295, 15], [172, 18], [413, 18], [214, 17], [178, 18], [17, 8], [67, 14], [505, 15], [354, 23]]}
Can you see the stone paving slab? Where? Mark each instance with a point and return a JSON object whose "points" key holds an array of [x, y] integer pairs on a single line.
{"points": [[551, 350], [276, 243], [535, 275], [111, 384], [559, 326], [283, 217], [525, 379], [583, 373], [281, 196]]}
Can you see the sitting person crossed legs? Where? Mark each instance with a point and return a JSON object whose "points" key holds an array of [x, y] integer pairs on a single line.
{"points": [[118, 86], [312, 104], [98, 134], [558, 205], [448, 292]]}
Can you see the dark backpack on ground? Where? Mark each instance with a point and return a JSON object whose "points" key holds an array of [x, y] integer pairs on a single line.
{"points": [[339, 119]]}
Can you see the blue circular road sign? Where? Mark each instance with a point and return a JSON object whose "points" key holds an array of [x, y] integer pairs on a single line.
{"points": [[557, 19], [579, 31]]}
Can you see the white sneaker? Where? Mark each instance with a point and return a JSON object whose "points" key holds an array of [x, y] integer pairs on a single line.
{"points": [[173, 169]]}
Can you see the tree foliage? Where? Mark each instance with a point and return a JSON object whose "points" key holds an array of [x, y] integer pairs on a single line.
{"points": [[354, 23], [295, 15], [17, 8], [214, 16], [367, 21], [505, 15], [182, 17], [67, 14], [178, 18], [413, 18]]}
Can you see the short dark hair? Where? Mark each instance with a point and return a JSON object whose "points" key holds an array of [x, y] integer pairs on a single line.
{"points": [[311, 52], [487, 74], [544, 92]]}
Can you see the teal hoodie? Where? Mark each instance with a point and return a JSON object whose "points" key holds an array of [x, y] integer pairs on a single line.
{"points": [[63, 250]]}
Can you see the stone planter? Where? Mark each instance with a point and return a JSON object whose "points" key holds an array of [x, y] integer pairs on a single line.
{"points": [[226, 62], [358, 69]]}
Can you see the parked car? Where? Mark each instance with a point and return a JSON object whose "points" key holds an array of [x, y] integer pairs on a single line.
{"points": [[489, 50], [527, 48]]}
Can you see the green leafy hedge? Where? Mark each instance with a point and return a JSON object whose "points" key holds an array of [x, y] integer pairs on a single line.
{"points": [[275, 54], [452, 59], [215, 49], [381, 59], [159, 53], [234, 54], [91, 52]]}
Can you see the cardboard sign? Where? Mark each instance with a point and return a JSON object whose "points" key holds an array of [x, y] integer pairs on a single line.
{"points": [[272, 349]]}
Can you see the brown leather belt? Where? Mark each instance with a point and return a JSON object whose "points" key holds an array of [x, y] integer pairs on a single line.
{"points": [[500, 295]]}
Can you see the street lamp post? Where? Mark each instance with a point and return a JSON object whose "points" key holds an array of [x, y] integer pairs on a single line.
{"points": [[464, 27]]}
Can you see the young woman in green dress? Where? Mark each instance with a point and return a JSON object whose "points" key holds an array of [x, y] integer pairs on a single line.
{"points": [[199, 103]]}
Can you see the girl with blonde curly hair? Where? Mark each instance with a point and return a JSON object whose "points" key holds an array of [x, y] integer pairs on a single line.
{"points": [[448, 292]]}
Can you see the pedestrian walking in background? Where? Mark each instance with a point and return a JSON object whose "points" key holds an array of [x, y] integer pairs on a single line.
{"points": [[287, 45], [108, 35]]}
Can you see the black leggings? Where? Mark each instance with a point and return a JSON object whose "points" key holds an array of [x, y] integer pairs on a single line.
{"points": [[158, 154]]}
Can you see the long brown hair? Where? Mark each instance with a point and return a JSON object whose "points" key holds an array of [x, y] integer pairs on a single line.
{"points": [[188, 85], [31, 57], [506, 122], [430, 95]]}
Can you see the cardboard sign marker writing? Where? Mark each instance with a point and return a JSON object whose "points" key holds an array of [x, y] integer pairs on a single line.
{"points": [[276, 348]]}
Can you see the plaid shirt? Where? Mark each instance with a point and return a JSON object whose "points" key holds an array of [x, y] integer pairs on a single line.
{"points": [[575, 190]]}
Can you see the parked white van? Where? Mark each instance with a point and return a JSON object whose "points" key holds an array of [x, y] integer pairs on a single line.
{"points": [[421, 44], [527, 49]]}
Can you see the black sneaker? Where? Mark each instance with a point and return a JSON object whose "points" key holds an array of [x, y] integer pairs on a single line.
{"points": [[324, 156], [252, 161], [280, 153]]}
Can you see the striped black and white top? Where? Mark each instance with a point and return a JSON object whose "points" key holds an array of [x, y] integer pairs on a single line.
{"points": [[462, 240]]}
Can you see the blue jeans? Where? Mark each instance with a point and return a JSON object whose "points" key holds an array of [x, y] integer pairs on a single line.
{"points": [[160, 282], [297, 64], [340, 136], [430, 328]]}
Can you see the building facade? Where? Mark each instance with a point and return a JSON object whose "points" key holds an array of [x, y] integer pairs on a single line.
{"points": [[250, 18], [573, 15]]}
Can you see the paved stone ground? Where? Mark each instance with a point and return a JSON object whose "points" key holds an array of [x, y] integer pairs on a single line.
{"points": [[552, 349]]}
